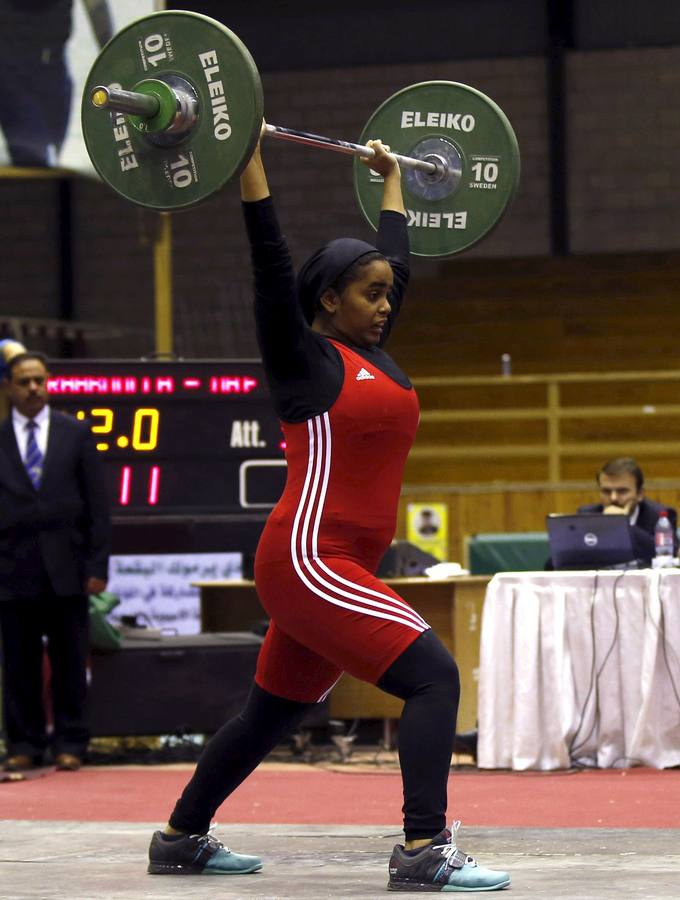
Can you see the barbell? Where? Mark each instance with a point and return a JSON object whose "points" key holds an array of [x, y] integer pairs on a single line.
{"points": [[185, 109]]}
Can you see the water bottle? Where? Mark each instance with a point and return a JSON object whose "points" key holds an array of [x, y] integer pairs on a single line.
{"points": [[663, 541]]}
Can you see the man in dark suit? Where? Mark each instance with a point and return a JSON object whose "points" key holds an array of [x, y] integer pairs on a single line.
{"points": [[54, 546], [621, 485]]}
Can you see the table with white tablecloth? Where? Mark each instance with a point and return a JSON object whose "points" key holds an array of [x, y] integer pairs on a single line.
{"points": [[580, 668]]}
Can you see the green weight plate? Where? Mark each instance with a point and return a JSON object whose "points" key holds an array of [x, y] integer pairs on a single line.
{"points": [[443, 120], [161, 170]]}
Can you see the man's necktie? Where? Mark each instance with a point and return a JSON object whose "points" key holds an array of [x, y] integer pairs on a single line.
{"points": [[34, 458]]}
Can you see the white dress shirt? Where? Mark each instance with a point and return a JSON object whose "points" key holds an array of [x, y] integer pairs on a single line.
{"points": [[42, 420]]}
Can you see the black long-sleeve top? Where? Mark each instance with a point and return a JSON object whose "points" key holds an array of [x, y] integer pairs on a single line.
{"points": [[304, 370]]}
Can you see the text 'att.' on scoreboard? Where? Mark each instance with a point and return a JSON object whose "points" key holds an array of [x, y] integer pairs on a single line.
{"points": [[178, 437]]}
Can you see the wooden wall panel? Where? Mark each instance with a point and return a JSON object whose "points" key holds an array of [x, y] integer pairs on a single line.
{"points": [[475, 470], [576, 313], [526, 510]]}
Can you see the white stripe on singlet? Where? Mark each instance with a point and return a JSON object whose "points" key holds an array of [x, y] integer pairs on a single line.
{"points": [[309, 567]]}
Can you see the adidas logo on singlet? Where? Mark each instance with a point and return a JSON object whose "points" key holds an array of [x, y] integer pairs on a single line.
{"points": [[364, 375]]}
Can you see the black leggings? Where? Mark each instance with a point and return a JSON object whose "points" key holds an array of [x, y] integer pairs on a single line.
{"points": [[425, 676]]}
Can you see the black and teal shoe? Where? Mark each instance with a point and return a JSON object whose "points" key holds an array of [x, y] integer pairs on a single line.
{"points": [[197, 854], [441, 866]]}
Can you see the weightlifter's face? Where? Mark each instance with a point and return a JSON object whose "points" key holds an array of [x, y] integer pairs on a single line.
{"points": [[27, 387], [363, 307]]}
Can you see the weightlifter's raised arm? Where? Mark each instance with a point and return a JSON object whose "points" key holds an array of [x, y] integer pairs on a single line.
{"points": [[386, 165], [254, 179]]}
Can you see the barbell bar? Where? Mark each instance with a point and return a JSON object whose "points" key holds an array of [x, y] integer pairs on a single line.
{"points": [[430, 167], [148, 107], [133, 102], [185, 110]]}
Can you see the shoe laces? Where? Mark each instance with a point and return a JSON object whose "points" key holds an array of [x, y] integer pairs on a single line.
{"points": [[209, 840], [449, 850]]}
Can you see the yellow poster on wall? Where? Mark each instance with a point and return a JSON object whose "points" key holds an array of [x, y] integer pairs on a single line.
{"points": [[427, 526]]}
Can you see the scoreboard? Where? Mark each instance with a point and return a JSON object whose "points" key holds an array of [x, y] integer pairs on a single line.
{"points": [[178, 438]]}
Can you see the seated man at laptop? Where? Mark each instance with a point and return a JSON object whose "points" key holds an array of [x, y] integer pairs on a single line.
{"points": [[621, 485]]}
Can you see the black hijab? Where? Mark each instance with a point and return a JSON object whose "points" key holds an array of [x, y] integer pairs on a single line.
{"points": [[324, 268]]}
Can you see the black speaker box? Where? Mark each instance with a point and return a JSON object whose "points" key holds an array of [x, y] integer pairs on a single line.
{"points": [[403, 559], [186, 684]]}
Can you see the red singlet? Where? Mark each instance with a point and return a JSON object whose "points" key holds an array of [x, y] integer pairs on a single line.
{"points": [[327, 534]]}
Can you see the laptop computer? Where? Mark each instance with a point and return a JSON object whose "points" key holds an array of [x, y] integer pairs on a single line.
{"points": [[590, 541]]}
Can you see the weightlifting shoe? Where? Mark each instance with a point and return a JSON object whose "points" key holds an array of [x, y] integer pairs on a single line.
{"points": [[197, 854], [441, 866], [67, 762], [22, 762]]}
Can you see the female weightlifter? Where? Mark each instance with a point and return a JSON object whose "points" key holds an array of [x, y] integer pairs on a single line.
{"points": [[349, 417]]}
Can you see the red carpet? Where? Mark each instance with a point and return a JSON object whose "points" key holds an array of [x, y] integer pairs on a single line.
{"points": [[633, 798]]}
